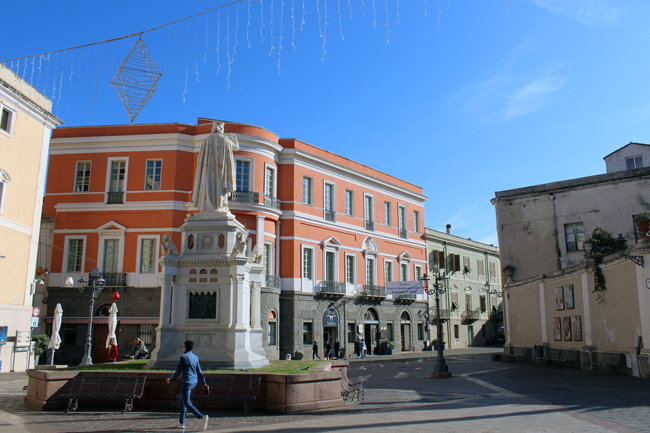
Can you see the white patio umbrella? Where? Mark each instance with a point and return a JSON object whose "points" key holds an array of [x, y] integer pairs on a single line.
{"points": [[55, 340], [112, 324]]}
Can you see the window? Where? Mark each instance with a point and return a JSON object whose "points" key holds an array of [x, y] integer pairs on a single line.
{"points": [[82, 182], [111, 255], [145, 333], [273, 326], [493, 272], [3, 186], [387, 213], [306, 190], [243, 176], [268, 258], [349, 202], [401, 222], [466, 266], [75, 255], [203, 306], [328, 204], [454, 262], [479, 267], [370, 272], [350, 271], [351, 333], [154, 170], [468, 300], [388, 271], [420, 331], [307, 333], [118, 173], [456, 331], [454, 299], [630, 163], [483, 301], [330, 258], [269, 182], [390, 332], [416, 221], [418, 273], [404, 272], [147, 256], [7, 120], [308, 263], [367, 209], [575, 236], [437, 258], [69, 334]]}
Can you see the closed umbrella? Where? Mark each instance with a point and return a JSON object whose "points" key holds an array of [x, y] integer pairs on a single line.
{"points": [[55, 340], [112, 324]]}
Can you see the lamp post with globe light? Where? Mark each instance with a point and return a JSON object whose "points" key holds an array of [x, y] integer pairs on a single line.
{"points": [[438, 287], [95, 287]]}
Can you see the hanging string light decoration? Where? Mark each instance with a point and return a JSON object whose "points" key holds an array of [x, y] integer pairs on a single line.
{"points": [[136, 79]]}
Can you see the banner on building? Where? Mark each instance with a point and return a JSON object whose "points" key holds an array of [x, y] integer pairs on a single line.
{"points": [[404, 288]]}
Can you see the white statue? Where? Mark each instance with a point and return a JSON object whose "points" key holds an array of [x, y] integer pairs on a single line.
{"points": [[214, 180], [256, 255], [240, 244], [167, 247]]}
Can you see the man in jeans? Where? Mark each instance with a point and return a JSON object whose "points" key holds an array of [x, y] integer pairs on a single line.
{"points": [[189, 368]]}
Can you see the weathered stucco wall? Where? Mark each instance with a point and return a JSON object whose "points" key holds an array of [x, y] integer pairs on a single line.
{"points": [[525, 321], [550, 295]]}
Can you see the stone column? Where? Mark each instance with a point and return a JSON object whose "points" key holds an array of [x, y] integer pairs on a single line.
{"points": [[259, 241], [277, 247], [587, 324], [163, 344], [256, 306]]}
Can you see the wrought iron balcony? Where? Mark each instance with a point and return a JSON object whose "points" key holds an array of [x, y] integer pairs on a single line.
{"points": [[471, 315], [370, 225], [403, 233], [406, 298], [273, 281], [330, 215], [496, 316], [332, 288], [372, 291], [444, 314], [113, 279], [115, 197], [251, 197]]}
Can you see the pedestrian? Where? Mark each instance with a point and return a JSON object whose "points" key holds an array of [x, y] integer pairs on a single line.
{"points": [[189, 368], [362, 347], [139, 350], [357, 347], [112, 352], [328, 349], [314, 353], [337, 349]]}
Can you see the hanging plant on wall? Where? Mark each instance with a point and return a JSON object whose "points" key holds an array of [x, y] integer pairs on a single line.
{"points": [[602, 244]]}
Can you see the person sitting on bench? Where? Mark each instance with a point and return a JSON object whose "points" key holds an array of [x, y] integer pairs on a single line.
{"points": [[139, 351]]}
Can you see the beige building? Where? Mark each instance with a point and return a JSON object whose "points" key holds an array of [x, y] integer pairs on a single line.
{"points": [[551, 307], [26, 124], [470, 308]]}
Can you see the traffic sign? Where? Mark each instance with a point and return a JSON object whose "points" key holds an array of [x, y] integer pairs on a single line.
{"points": [[36, 312], [34, 322]]}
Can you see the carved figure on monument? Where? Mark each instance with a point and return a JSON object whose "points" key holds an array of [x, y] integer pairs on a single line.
{"points": [[240, 244], [206, 242], [167, 248], [214, 180], [256, 255]]}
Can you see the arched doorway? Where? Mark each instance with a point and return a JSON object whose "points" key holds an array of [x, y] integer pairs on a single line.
{"points": [[371, 330], [405, 328]]}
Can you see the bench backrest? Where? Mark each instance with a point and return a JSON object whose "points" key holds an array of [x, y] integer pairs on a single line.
{"points": [[233, 387], [102, 385]]}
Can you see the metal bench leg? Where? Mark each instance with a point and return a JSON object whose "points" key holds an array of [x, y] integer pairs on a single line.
{"points": [[128, 405], [246, 410], [67, 410]]}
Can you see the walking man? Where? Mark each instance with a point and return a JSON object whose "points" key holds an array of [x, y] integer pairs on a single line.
{"points": [[189, 368]]}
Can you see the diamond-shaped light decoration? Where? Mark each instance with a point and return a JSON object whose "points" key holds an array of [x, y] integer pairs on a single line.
{"points": [[136, 79]]}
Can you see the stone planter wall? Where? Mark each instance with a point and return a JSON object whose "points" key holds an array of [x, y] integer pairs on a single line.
{"points": [[279, 392]]}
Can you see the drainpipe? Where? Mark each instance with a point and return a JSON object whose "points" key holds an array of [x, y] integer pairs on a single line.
{"points": [[557, 234]]}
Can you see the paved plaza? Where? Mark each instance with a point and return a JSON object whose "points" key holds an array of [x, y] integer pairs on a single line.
{"points": [[482, 396]]}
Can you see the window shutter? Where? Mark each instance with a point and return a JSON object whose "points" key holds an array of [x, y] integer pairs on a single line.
{"points": [[468, 301], [457, 262]]}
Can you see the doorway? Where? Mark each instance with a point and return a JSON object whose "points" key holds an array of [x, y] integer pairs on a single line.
{"points": [[470, 335], [405, 330], [370, 337], [330, 334]]}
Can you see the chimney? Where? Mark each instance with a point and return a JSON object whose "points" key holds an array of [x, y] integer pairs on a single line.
{"points": [[448, 229]]}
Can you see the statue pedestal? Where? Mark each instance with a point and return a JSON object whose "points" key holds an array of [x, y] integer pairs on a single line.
{"points": [[211, 295]]}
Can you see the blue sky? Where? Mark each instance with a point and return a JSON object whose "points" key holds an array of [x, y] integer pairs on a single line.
{"points": [[501, 96]]}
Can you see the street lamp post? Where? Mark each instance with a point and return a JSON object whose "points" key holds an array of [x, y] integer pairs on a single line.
{"points": [[95, 288], [440, 369]]}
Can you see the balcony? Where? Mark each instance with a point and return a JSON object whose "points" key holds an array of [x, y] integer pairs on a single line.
{"points": [[113, 279], [496, 316], [374, 292], [330, 215], [250, 197], [471, 315], [444, 315], [406, 298], [403, 233], [273, 281], [115, 197], [332, 288], [370, 225]]}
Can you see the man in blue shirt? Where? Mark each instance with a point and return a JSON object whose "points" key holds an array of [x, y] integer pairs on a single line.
{"points": [[189, 368]]}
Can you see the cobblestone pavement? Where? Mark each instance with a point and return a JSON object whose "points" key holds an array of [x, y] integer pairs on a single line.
{"points": [[482, 396]]}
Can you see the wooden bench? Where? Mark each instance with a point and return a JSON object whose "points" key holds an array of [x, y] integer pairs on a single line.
{"points": [[550, 355], [232, 388], [105, 387], [608, 360], [568, 356], [351, 391]]}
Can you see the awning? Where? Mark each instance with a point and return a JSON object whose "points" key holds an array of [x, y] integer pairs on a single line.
{"points": [[103, 320]]}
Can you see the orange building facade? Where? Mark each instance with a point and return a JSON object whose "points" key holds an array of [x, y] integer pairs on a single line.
{"points": [[332, 231]]}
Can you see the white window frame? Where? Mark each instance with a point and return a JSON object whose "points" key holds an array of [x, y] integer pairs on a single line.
{"points": [[633, 158], [416, 267], [387, 215], [313, 262], [109, 169], [416, 221], [267, 167], [374, 270], [145, 174], [351, 208], [76, 171], [4, 180], [271, 257], [311, 191], [406, 222], [331, 248], [333, 185], [371, 209], [354, 268], [251, 171], [392, 270], [66, 253], [274, 321], [13, 113], [405, 260], [111, 234], [156, 239]]}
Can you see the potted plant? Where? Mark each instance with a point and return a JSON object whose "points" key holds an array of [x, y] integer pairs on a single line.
{"points": [[387, 347], [507, 271], [40, 347], [642, 222]]}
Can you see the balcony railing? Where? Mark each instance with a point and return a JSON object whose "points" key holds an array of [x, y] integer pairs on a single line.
{"points": [[407, 297], [372, 291], [251, 197], [471, 315], [444, 314], [330, 215], [113, 279], [403, 233], [370, 225], [332, 288], [115, 197], [496, 316], [273, 281]]}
